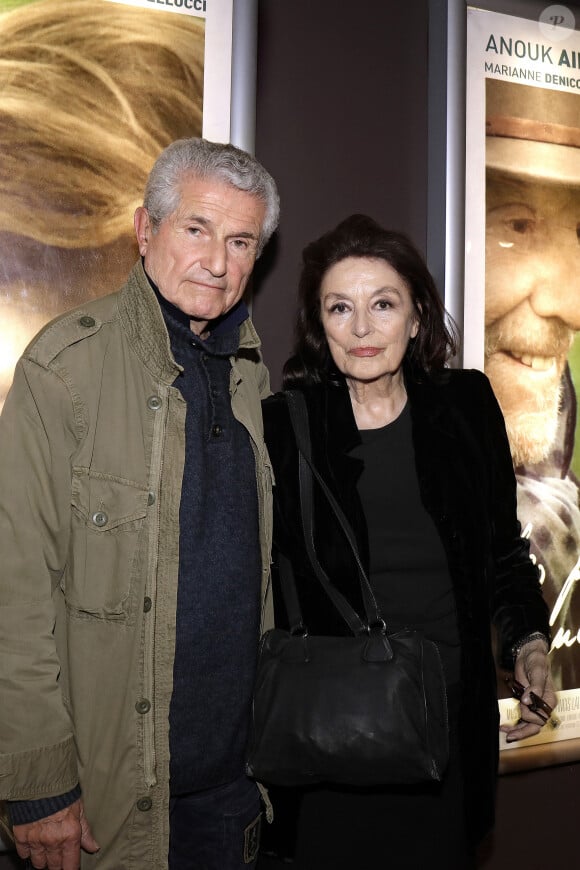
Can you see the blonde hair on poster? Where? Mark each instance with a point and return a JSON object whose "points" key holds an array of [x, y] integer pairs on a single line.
{"points": [[90, 93]]}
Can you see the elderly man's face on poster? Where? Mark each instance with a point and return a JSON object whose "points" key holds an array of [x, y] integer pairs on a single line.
{"points": [[532, 303], [532, 257]]}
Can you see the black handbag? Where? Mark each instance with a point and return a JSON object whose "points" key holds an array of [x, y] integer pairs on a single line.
{"points": [[363, 710]]}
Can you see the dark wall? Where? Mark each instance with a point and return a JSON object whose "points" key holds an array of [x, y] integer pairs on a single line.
{"points": [[342, 125]]}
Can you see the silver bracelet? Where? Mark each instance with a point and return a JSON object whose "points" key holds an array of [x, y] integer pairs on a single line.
{"points": [[535, 635]]}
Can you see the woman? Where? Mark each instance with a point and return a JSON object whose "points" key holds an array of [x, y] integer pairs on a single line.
{"points": [[418, 458]]}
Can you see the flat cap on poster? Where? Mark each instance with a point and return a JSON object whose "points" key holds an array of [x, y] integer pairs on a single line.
{"points": [[533, 132]]}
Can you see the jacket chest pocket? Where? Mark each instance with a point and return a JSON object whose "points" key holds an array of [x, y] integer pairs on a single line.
{"points": [[108, 516]]}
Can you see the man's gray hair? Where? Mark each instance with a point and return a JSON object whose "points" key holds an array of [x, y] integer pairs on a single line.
{"points": [[204, 159]]}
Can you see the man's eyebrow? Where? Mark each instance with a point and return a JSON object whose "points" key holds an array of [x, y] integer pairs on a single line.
{"points": [[513, 203], [205, 222], [243, 234], [198, 219]]}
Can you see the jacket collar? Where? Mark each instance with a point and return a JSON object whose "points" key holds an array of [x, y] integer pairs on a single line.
{"points": [[431, 409], [143, 322], [435, 425], [426, 395], [340, 424]]}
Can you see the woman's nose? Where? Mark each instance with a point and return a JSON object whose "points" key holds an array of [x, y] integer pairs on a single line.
{"points": [[361, 324]]}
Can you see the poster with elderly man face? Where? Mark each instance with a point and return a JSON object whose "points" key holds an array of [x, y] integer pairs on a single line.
{"points": [[91, 92], [522, 307]]}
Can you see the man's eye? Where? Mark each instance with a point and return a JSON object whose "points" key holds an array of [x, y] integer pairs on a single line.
{"points": [[194, 231], [241, 244], [521, 225]]}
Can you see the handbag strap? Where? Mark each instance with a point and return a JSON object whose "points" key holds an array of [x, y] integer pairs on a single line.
{"points": [[290, 596], [299, 419]]}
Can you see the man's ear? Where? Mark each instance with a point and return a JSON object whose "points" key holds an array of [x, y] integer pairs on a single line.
{"points": [[142, 229]]}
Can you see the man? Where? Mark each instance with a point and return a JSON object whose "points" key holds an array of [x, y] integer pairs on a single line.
{"points": [[135, 532], [532, 313]]}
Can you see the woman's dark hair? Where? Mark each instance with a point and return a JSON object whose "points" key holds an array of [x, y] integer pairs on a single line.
{"points": [[360, 236]]}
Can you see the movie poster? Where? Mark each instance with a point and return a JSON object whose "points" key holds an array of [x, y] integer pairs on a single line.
{"points": [[522, 307], [91, 91]]}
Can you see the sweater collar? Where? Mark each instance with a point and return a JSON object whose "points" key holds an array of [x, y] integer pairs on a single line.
{"points": [[227, 323]]}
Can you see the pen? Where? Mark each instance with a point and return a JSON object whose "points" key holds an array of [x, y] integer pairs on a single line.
{"points": [[538, 706]]}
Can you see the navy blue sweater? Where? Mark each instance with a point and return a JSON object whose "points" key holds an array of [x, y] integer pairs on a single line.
{"points": [[219, 565]]}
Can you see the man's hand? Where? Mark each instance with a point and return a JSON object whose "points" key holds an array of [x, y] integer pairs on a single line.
{"points": [[56, 841]]}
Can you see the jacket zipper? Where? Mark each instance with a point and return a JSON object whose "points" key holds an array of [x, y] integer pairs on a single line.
{"points": [[149, 759]]}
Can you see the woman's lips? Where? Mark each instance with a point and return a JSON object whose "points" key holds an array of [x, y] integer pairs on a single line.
{"points": [[365, 351]]}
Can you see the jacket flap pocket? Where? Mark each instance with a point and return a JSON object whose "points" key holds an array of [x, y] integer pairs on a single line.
{"points": [[106, 501]]}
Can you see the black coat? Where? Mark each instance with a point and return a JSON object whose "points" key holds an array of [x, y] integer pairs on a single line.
{"points": [[467, 485]]}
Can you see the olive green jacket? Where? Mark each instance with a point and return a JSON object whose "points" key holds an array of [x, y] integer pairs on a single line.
{"points": [[91, 458]]}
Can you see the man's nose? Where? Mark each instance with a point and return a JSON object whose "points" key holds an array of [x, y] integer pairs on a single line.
{"points": [[556, 284], [214, 257]]}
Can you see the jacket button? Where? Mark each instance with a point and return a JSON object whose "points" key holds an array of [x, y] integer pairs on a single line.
{"points": [[100, 518], [147, 604], [151, 498], [144, 804], [216, 430], [143, 706], [153, 403], [87, 321]]}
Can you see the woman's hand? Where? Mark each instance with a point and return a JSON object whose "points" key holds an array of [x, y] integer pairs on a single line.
{"points": [[532, 671]]}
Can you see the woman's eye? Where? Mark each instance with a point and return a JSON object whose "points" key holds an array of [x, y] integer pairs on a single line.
{"points": [[339, 307], [383, 304]]}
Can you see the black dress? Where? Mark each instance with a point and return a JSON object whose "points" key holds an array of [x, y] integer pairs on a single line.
{"points": [[360, 829]]}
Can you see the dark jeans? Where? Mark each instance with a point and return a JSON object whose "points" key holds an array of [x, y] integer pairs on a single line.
{"points": [[216, 829]]}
